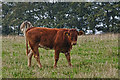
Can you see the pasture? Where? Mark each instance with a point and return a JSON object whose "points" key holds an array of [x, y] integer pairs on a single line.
{"points": [[95, 56]]}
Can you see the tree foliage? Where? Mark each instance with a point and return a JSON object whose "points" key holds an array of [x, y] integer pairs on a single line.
{"points": [[84, 16]]}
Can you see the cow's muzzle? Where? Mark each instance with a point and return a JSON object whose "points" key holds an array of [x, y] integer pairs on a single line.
{"points": [[74, 43]]}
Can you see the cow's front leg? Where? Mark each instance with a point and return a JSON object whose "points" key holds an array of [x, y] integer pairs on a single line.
{"points": [[68, 59], [56, 57], [30, 57]]}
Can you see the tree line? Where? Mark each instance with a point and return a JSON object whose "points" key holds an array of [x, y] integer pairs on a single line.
{"points": [[100, 16]]}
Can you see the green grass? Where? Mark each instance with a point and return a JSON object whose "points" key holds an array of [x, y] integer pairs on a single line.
{"points": [[95, 56]]}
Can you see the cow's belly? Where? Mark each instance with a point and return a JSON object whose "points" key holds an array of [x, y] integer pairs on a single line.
{"points": [[45, 46]]}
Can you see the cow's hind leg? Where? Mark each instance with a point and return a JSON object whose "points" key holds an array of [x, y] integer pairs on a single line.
{"points": [[30, 57], [68, 59], [56, 58], [36, 54], [38, 60]]}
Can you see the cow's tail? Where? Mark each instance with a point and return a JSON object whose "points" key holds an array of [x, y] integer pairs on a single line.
{"points": [[27, 51], [23, 27]]}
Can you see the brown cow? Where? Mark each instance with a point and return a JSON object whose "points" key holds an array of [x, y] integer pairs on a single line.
{"points": [[61, 40]]}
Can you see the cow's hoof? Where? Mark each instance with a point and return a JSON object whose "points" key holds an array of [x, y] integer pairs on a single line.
{"points": [[29, 65], [71, 65], [40, 66], [55, 67]]}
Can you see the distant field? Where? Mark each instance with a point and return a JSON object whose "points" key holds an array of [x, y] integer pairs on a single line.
{"points": [[95, 56]]}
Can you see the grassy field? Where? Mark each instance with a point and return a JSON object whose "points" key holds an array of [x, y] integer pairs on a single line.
{"points": [[95, 56]]}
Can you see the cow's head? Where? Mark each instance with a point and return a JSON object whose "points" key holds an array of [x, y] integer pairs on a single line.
{"points": [[72, 35]]}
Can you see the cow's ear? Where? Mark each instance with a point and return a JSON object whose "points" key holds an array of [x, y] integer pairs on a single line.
{"points": [[67, 33], [80, 32]]}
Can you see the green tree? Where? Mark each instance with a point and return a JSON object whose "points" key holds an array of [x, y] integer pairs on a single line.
{"points": [[80, 15]]}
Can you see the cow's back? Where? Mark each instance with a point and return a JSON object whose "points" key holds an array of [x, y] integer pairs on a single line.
{"points": [[43, 36]]}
